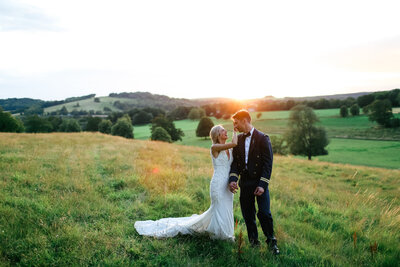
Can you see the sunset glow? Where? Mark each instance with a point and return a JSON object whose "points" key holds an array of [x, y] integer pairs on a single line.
{"points": [[59, 49]]}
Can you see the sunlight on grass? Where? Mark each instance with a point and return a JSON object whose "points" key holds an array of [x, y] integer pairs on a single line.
{"points": [[72, 199]]}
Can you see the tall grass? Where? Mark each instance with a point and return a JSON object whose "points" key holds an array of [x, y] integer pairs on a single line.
{"points": [[72, 199]]}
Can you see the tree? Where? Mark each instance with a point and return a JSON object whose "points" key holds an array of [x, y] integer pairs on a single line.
{"points": [[193, 114], [355, 110], [105, 126], [8, 123], [161, 134], [344, 112], [398, 99], [226, 116], [93, 124], [204, 127], [166, 123], [34, 109], [55, 122], [278, 145], [97, 100], [114, 116], [365, 100], [218, 115], [123, 127], [381, 112], [36, 124], [196, 113], [64, 111], [303, 137], [70, 126], [179, 113], [142, 117]]}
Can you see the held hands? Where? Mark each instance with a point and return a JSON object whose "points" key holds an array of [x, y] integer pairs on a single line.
{"points": [[259, 191], [233, 187]]}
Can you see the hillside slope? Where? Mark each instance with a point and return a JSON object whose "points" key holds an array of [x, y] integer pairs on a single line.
{"points": [[72, 199]]}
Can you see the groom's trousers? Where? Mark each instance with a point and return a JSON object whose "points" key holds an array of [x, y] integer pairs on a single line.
{"points": [[247, 205]]}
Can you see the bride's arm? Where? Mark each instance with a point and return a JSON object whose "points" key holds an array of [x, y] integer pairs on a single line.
{"points": [[218, 147]]}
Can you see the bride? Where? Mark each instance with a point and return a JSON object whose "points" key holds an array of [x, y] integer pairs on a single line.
{"points": [[217, 221]]}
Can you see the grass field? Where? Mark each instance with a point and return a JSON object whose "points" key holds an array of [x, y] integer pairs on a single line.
{"points": [[349, 137], [72, 199], [385, 154], [89, 104]]}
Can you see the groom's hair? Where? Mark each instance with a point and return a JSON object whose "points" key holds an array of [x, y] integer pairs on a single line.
{"points": [[242, 114]]}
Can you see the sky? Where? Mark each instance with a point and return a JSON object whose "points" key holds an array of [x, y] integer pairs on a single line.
{"points": [[52, 50]]}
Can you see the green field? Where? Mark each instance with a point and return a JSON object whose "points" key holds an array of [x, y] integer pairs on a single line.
{"points": [[89, 104], [349, 137], [72, 200], [385, 154]]}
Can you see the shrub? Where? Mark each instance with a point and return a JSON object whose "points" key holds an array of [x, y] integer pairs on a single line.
{"points": [[36, 124], [218, 115], [226, 116], [93, 124], [123, 127], [105, 126], [196, 113], [8, 123], [70, 125], [204, 127], [344, 112], [166, 123], [161, 134], [142, 117], [355, 110], [278, 145], [381, 112]]}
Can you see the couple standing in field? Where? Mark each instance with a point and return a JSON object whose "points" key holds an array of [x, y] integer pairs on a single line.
{"points": [[248, 157]]}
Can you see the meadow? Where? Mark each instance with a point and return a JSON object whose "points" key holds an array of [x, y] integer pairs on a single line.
{"points": [[72, 199], [89, 104], [352, 139]]}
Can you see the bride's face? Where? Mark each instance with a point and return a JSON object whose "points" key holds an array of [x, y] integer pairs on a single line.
{"points": [[223, 134]]}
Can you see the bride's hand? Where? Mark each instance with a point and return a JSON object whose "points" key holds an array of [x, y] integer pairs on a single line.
{"points": [[234, 137]]}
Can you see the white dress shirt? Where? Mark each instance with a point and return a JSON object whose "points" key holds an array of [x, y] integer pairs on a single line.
{"points": [[247, 144]]}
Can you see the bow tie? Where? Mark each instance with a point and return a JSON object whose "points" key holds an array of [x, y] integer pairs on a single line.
{"points": [[247, 135]]}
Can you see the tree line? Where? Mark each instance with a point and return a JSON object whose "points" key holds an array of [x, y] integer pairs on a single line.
{"points": [[35, 106], [221, 110], [117, 123]]}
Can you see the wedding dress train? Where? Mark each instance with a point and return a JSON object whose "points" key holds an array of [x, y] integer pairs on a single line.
{"points": [[217, 221]]}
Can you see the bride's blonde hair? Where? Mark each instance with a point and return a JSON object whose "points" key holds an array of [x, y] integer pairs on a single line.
{"points": [[214, 133]]}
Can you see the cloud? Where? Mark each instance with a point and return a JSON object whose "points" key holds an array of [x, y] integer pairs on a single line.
{"points": [[15, 16]]}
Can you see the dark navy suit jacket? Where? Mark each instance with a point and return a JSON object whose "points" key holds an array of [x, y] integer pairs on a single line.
{"points": [[259, 165]]}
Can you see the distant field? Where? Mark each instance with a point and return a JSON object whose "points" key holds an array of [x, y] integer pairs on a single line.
{"points": [[89, 104], [72, 200], [340, 150], [385, 154]]}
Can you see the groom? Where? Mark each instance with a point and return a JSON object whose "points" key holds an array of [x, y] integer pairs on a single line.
{"points": [[252, 162]]}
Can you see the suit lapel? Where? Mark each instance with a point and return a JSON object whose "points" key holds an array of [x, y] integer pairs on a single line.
{"points": [[252, 142], [242, 150]]}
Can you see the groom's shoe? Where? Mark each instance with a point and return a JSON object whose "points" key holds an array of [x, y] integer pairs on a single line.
{"points": [[273, 247]]}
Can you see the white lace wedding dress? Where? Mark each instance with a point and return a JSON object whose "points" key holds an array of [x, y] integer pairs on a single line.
{"points": [[217, 221]]}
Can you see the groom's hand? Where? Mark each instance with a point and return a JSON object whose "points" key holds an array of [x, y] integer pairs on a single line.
{"points": [[233, 187], [259, 191]]}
